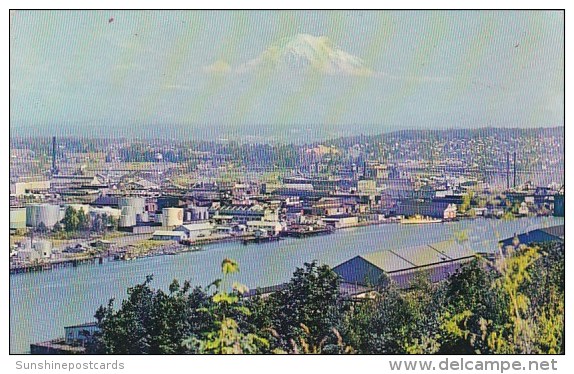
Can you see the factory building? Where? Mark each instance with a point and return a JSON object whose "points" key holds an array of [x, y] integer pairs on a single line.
{"points": [[437, 260]]}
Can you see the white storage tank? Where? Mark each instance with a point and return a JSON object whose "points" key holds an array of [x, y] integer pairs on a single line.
{"points": [[46, 213], [128, 217], [137, 203], [172, 217]]}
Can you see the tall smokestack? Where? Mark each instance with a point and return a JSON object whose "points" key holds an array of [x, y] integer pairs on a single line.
{"points": [[53, 155], [507, 171], [514, 165]]}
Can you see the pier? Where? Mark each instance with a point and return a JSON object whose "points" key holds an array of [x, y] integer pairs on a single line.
{"points": [[54, 264]]}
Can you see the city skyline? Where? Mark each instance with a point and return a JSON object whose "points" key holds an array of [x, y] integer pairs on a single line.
{"points": [[283, 75]]}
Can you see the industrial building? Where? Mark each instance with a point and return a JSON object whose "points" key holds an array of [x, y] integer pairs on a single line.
{"points": [[437, 260], [196, 230], [339, 221], [548, 234], [168, 235], [239, 213], [270, 227], [32, 187], [432, 208]]}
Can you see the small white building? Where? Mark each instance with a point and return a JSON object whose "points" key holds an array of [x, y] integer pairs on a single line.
{"points": [[523, 210], [341, 220], [196, 230], [271, 227], [168, 235], [450, 212]]}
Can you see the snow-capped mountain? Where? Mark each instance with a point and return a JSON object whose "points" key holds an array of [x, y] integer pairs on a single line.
{"points": [[303, 52]]}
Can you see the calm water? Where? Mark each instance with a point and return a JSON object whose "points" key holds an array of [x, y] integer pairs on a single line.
{"points": [[41, 304]]}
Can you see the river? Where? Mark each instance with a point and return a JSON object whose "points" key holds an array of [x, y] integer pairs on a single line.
{"points": [[42, 303]]}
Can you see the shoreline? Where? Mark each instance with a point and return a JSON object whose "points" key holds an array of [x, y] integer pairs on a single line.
{"points": [[176, 248]]}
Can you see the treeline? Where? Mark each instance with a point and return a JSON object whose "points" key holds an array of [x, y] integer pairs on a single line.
{"points": [[243, 153], [514, 305]]}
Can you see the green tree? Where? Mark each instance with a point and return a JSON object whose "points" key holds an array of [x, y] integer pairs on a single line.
{"points": [[309, 307], [83, 220], [225, 335], [513, 305], [397, 321], [71, 220], [151, 321], [470, 301]]}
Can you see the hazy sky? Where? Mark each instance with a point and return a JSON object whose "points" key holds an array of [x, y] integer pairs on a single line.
{"points": [[282, 75]]}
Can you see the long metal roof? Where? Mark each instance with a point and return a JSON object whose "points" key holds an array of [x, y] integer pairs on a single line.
{"points": [[420, 256], [387, 261]]}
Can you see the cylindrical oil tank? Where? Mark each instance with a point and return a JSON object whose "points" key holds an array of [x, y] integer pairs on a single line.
{"points": [[17, 218], [46, 213], [137, 203], [128, 217], [172, 217]]}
